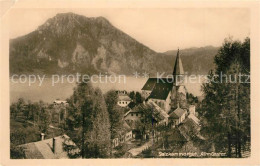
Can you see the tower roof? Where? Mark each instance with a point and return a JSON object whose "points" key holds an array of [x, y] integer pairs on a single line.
{"points": [[178, 68]]}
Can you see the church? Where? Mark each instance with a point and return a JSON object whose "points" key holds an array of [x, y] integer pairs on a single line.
{"points": [[168, 93]]}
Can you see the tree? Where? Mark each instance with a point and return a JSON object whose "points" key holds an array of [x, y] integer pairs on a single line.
{"points": [[17, 137], [148, 121], [13, 110], [191, 99], [17, 108], [138, 98], [44, 120], [227, 98], [116, 113], [132, 95], [88, 121]]}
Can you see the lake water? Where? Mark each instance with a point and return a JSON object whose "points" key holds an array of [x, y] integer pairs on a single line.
{"points": [[64, 90]]}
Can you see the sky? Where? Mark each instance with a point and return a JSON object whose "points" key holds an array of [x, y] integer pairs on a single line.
{"points": [[160, 29]]}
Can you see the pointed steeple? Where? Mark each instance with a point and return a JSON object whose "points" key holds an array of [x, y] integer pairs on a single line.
{"points": [[178, 68]]}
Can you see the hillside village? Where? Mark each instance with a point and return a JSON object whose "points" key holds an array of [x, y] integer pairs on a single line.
{"points": [[160, 120], [169, 113]]}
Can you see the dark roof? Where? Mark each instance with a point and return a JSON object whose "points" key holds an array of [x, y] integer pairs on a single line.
{"points": [[161, 89], [176, 114], [178, 68], [149, 84]]}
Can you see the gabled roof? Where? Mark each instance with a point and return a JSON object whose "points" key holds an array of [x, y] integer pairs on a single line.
{"points": [[149, 85], [194, 118], [177, 113], [133, 124], [189, 128], [126, 126], [158, 112], [124, 97], [176, 136], [43, 149], [134, 110], [161, 89]]}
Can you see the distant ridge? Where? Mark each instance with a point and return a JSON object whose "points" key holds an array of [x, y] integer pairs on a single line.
{"points": [[70, 43]]}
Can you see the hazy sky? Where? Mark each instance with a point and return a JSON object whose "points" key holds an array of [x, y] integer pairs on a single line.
{"points": [[159, 29]]}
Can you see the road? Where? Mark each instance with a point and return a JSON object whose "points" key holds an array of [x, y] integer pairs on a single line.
{"points": [[138, 150]]}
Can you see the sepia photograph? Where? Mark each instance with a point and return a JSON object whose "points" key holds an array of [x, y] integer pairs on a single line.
{"points": [[129, 83]]}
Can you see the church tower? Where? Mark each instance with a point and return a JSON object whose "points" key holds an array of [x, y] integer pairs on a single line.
{"points": [[178, 94]]}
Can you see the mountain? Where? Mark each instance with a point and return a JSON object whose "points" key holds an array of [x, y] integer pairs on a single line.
{"points": [[195, 60], [70, 43]]}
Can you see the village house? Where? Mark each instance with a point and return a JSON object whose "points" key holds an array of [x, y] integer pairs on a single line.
{"points": [[177, 116], [167, 98], [121, 92], [48, 148], [133, 115], [122, 136], [159, 115], [123, 100], [60, 102]]}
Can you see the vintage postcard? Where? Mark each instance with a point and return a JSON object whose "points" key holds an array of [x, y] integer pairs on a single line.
{"points": [[129, 82]]}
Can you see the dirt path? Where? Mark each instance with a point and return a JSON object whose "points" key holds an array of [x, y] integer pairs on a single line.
{"points": [[138, 150]]}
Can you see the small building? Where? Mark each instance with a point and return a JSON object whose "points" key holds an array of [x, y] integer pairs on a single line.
{"points": [[121, 92], [123, 100], [48, 148], [160, 116], [177, 116], [60, 102], [133, 115], [122, 136]]}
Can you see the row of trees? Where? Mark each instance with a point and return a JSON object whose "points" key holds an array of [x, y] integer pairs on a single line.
{"points": [[37, 113], [226, 107], [92, 119]]}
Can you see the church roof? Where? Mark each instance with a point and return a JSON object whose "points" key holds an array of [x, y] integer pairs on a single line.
{"points": [[161, 89], [178, 68], [149, 84]]}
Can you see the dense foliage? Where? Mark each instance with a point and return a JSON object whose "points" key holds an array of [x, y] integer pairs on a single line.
{"points": [[226, 107], [88, 121]]}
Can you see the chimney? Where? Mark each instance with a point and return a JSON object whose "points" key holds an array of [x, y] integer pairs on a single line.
{"points": [[42, 136], [54, 145], [192, 109]]}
